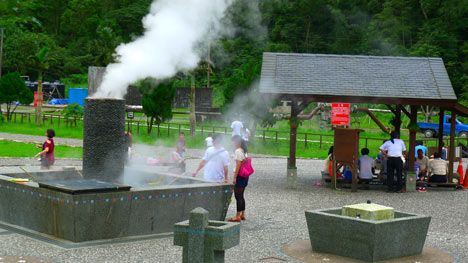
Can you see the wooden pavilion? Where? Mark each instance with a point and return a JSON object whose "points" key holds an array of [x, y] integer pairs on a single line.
{"points": [[392, 81]]}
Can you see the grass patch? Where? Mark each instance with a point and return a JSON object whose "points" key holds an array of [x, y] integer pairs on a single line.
{"points": [[19, 149], [32, 129]]}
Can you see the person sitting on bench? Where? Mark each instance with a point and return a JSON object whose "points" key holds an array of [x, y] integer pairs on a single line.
{"points": [[423, 162], [438, 170], [366, 165]]}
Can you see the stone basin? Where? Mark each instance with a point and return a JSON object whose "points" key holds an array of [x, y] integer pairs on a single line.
{"points": [[107, 215], [368, 240]]}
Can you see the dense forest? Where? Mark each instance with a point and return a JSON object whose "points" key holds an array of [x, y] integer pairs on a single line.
{"points": [[82, 33]]}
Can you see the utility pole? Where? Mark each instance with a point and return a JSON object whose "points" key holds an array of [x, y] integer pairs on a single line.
{"points": [[1, 49]]}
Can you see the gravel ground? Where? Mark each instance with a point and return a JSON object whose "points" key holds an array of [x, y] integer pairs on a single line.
{"points": [[275, 216]]}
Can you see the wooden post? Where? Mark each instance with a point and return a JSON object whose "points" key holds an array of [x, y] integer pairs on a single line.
{"points": [[293, 136], [398, 118], [452, 145], [412, 139], [441, 131]]}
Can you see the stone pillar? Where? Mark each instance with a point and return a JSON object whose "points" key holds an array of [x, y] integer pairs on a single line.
{"points": [[95, 76], [104, 148], [203, 240]]}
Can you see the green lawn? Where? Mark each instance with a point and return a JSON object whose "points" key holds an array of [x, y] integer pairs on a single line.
{"points": [[19, 149], [276, 143]]}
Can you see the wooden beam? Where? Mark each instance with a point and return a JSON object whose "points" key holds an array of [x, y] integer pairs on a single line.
{"points": [[374, 118], [390, 108], [448, 104], [441, 131], [452, 145], [403, 109], [412, 139]]}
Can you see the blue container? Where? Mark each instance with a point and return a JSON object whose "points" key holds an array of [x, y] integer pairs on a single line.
{"points": [[77, 96]]}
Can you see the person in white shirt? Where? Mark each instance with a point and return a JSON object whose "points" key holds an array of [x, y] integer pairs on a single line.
{"points": [[394, 150], [215, 161], [237, 127], [366, 165], [209, 141], [245, 134]]}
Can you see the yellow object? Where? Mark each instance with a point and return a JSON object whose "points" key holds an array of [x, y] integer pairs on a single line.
{"points": [[369, 211], [19, 180]]}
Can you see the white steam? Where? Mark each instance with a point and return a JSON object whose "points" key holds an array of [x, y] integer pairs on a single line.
{"points": [[173, 31]]}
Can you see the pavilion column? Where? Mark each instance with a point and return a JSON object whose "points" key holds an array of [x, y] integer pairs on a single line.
{"points": [[398, 118], [452, 145], [291, 176], [412, 139], [441, 131]]}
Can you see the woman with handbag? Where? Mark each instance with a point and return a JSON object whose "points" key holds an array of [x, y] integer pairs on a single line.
{"points": [[241, 176]]}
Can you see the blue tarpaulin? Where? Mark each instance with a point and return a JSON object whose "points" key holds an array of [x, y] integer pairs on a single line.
{"points": [[58, 101]]}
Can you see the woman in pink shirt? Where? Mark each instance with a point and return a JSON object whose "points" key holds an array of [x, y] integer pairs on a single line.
{"points": [[47, 153]]}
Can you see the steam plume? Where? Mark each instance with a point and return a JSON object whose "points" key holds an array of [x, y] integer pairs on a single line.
{"points": [[173, 31]]}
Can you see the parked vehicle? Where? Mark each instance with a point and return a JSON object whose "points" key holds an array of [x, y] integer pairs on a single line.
{"points": [[431, 130]]}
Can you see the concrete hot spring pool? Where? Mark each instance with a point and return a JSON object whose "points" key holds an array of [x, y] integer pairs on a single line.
{"points": [[96, 203], [69, 207]]}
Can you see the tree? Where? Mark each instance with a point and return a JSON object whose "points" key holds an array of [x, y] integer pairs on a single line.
{"points": [[13, 89], [157, 100], [72, 111], [40, 62]]}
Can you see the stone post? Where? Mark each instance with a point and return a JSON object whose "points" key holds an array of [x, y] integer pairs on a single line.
{"points": [[95, 76], [104, 139], [203, 240]]}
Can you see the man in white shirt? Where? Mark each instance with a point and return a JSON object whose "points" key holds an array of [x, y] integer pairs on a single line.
{"points": [[245, 134], [394, 150], [366, 165], [209, 141], [215, 161], [237, 127]]}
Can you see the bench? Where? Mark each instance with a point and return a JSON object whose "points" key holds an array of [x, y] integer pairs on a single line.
{"points": [[449, 185], [327, 178]]}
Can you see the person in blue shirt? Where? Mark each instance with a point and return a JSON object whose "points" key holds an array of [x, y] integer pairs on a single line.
{"points": [[419, 145]]}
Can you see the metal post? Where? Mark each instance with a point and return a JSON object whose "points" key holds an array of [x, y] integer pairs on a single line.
{"points": [[264, 136], [138, 127], [202, 127], [29, 117], [15, 117], [168, 129], [276, 136], [159, 135], [22, 115], [225, 130]]}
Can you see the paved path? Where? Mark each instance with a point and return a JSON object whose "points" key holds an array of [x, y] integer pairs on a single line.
{"points": [[275, 216], [40, 139]]}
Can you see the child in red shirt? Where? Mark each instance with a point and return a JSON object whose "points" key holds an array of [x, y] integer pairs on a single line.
{"points": [[47, 153]]}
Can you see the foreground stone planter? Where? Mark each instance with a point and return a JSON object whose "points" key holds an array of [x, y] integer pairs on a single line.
{"points": [[367, 240]]}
